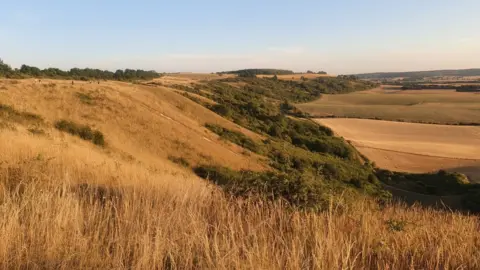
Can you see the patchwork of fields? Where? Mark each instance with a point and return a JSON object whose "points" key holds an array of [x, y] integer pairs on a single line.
{"points": [[391, 103], [413, 147]]}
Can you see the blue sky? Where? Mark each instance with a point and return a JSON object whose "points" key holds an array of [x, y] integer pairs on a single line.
{"points": [[203, 36]]}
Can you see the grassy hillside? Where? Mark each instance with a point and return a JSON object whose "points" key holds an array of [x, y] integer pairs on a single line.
{"points": [[302, 153], [68, 202], [258, 71], [131, 217], [142, 123]]}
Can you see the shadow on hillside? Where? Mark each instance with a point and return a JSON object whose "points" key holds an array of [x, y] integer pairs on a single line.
{"points": [[439, 202], [472, 172]]}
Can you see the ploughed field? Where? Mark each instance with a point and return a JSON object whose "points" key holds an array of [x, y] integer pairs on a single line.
{"points": [[413, 147], [392, 103]]}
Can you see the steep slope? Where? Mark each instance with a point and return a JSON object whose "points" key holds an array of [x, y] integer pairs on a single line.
{"points": [[67, 203], [141, 123]]}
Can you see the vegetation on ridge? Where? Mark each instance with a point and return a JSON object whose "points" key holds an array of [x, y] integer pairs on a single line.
{"points": [[70, 205], [307, 158], [26, 71]]}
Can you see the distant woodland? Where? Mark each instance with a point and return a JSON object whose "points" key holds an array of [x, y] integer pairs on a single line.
{"points": [[85, 74], [462, 88]]}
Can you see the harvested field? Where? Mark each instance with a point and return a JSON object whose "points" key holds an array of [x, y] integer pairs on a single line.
{"points": [[391, 103], [413, 147]]}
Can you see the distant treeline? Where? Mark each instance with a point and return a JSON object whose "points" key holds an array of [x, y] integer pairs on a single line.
{"points": [[462, 88], [468, 88], [432, 73], [414, 86], [76, 73]]}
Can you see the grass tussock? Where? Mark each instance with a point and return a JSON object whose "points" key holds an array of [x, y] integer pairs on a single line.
{"points": [[76, 208], [85, 98], [82, 131], [9, 113], [180, 161]]}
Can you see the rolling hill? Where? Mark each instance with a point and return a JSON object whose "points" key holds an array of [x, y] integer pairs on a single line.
{"points": [[132, 200]]}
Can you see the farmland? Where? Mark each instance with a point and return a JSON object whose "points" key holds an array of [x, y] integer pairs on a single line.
{"points": [[391, 103], [412, 147]]}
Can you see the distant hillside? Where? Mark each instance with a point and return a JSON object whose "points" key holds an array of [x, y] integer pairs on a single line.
{"points": [[261, 71], [431, 73]]}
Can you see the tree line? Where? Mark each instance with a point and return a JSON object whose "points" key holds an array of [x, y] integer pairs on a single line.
{"points": [[461, 88], [85, 74]]}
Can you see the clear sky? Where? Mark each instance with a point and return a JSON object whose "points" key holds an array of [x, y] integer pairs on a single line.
{"points": [[202, 36]]}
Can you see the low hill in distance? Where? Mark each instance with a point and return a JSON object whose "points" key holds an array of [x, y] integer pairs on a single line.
{"points": [[421, 74]]}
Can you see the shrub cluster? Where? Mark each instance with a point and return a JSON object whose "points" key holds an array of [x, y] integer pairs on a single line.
{"points": [[235, 137], [441, 183], [9, 113], [299, 190], [82, 131]]}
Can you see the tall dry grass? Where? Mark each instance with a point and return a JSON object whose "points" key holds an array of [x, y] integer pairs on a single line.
{"points": [[139, 218]]}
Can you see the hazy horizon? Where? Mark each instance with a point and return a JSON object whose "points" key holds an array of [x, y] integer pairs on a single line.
{"points": [[211, 36]]}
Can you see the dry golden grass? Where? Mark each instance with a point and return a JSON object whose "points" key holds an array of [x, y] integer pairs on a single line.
{"points": [[201, 76], [390, 103], [297, 77], [189, 78], [156, 220], [68, 204], [147, 123], [413, 147]]}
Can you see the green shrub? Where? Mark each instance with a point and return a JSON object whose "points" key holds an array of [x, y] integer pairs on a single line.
{"points": [[303, 153], [36, 131], [394, 225], [10, 113], [235, 137], [442, 183], [179, 160], [299, 190], [82, 131], [85, 98]]}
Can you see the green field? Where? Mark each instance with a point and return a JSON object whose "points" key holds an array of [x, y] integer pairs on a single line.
{"points": [[388, 103]]}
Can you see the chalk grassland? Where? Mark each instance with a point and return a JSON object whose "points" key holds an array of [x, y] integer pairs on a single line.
{"points": [[150, 124], [68, 204], [412, 147], [189, 78], [146, 219], [390, 103]]}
